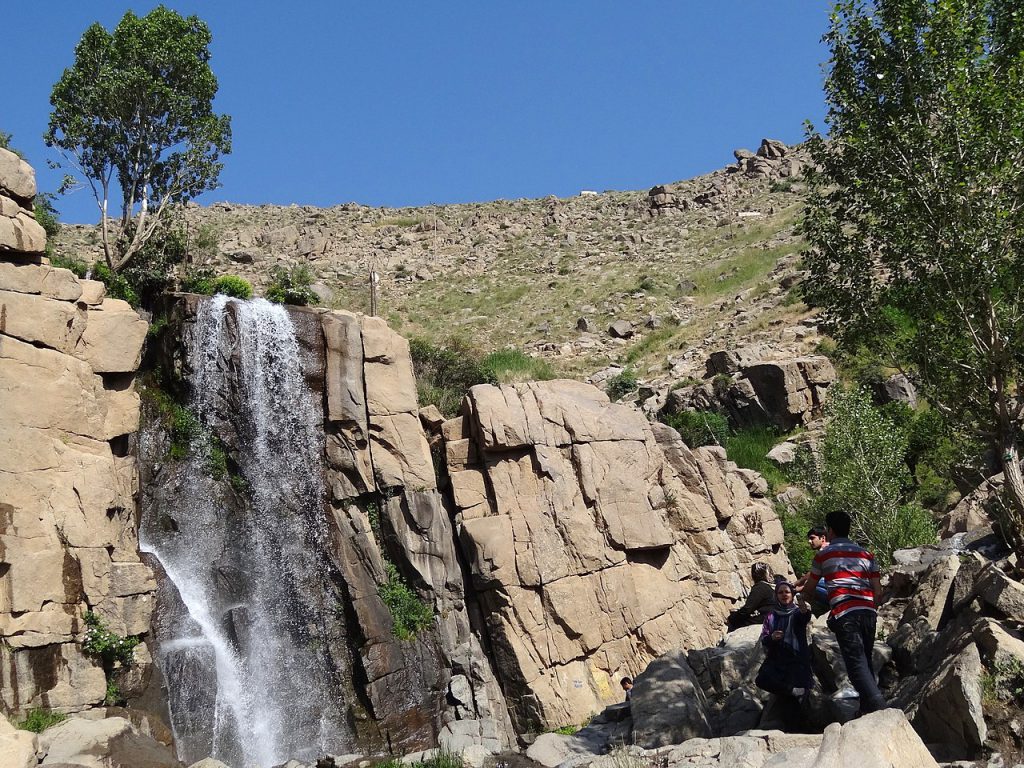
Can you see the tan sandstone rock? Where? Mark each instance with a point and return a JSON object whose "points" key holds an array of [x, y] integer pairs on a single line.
{"points": [[48, 281], [17, 747], [21, 234], [17, 178], [113, 338], [584, 541], [36, 319], [67, 502]]}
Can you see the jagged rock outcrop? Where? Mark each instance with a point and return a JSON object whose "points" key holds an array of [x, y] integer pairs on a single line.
{"points": [[68, 525], [752, 390], [377, 445], [595, 541], [21, 235]]}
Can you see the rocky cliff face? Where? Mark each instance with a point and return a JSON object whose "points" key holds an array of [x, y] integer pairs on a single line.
{"points": [[378, 505], [596, 541], [68, 534], [593, 541]]}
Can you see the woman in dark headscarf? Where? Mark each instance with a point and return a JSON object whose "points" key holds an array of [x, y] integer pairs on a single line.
{"points": [[786, 671]]}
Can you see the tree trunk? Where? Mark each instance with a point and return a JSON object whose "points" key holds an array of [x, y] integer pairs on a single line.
{"points": [[1011, 516]]}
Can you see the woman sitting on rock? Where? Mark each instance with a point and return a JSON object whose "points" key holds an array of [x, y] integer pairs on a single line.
{"points": [[759, 602], [786, 670]]}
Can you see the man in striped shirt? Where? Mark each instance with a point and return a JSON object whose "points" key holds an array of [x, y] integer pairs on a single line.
{"points": [[852, 581]]}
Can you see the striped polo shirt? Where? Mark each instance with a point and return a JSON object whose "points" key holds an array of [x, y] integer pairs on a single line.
{"points": [[847, 569]]}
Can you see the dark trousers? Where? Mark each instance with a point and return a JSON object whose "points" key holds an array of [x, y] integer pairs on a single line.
{"points": [[855, 633]]}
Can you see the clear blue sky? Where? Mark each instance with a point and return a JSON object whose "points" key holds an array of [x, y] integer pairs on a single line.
{"points": [[410, 103]]}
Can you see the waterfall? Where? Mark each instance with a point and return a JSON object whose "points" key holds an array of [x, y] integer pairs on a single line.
{"points": [[247, 629]]}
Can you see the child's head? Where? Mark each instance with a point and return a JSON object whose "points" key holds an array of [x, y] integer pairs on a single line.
{"points": [[626, 683]]}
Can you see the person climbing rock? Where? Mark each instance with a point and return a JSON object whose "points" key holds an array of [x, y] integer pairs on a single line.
{"points": [[759, 602], [854, 587], [817, 537], [786, 670], [627, 687]]}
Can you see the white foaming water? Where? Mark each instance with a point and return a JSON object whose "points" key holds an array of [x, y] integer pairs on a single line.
{"points": [[244, 650]]}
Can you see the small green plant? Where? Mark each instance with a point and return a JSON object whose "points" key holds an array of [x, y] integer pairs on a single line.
{"points": [[46, 214], [234, 286], [512, 365], [180, 422], [157, 327], [646, 283], [113, 695], [292, 286], [38, 720], [216, 460], [445, 371], [566, 730], [200, 280], [699, 428], [621, 384], [117, 284], [238, 483], [444, 758], [826, 347], [409, 614], [795, 524], [1004, 681], [400, 221], [109, 646], [373, 516], [80, 268]]}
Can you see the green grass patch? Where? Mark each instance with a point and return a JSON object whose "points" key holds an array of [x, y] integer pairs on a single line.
{"points": [[699, 428], [38, 720], [650, 342], [621, 384], [795, 524], [739, 270], [749, 449], [400, 221], [512, 365], [409, 614]]}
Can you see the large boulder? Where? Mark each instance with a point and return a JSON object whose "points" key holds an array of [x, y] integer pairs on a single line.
{"points": [[880, 740], [948, 710], [111, 742], [17, 178], [753, 389], [17, 748], [668, 704]]}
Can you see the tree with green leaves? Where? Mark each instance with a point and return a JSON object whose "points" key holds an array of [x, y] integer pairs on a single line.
{"points": [[862, 471], [916, 213], [134, 115]]}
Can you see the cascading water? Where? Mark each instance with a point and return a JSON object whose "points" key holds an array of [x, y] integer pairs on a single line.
{"points": [[248, 644]]}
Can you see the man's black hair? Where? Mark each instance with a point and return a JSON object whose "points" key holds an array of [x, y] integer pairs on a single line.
{"points": [[839, 522], [626, 681], [818, 530]]}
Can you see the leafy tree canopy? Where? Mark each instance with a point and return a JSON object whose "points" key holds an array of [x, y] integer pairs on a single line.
{"points": [[134, 115], [916, 215]]}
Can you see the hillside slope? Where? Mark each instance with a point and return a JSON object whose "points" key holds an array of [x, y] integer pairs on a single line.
{"points": [[693, 266]]}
